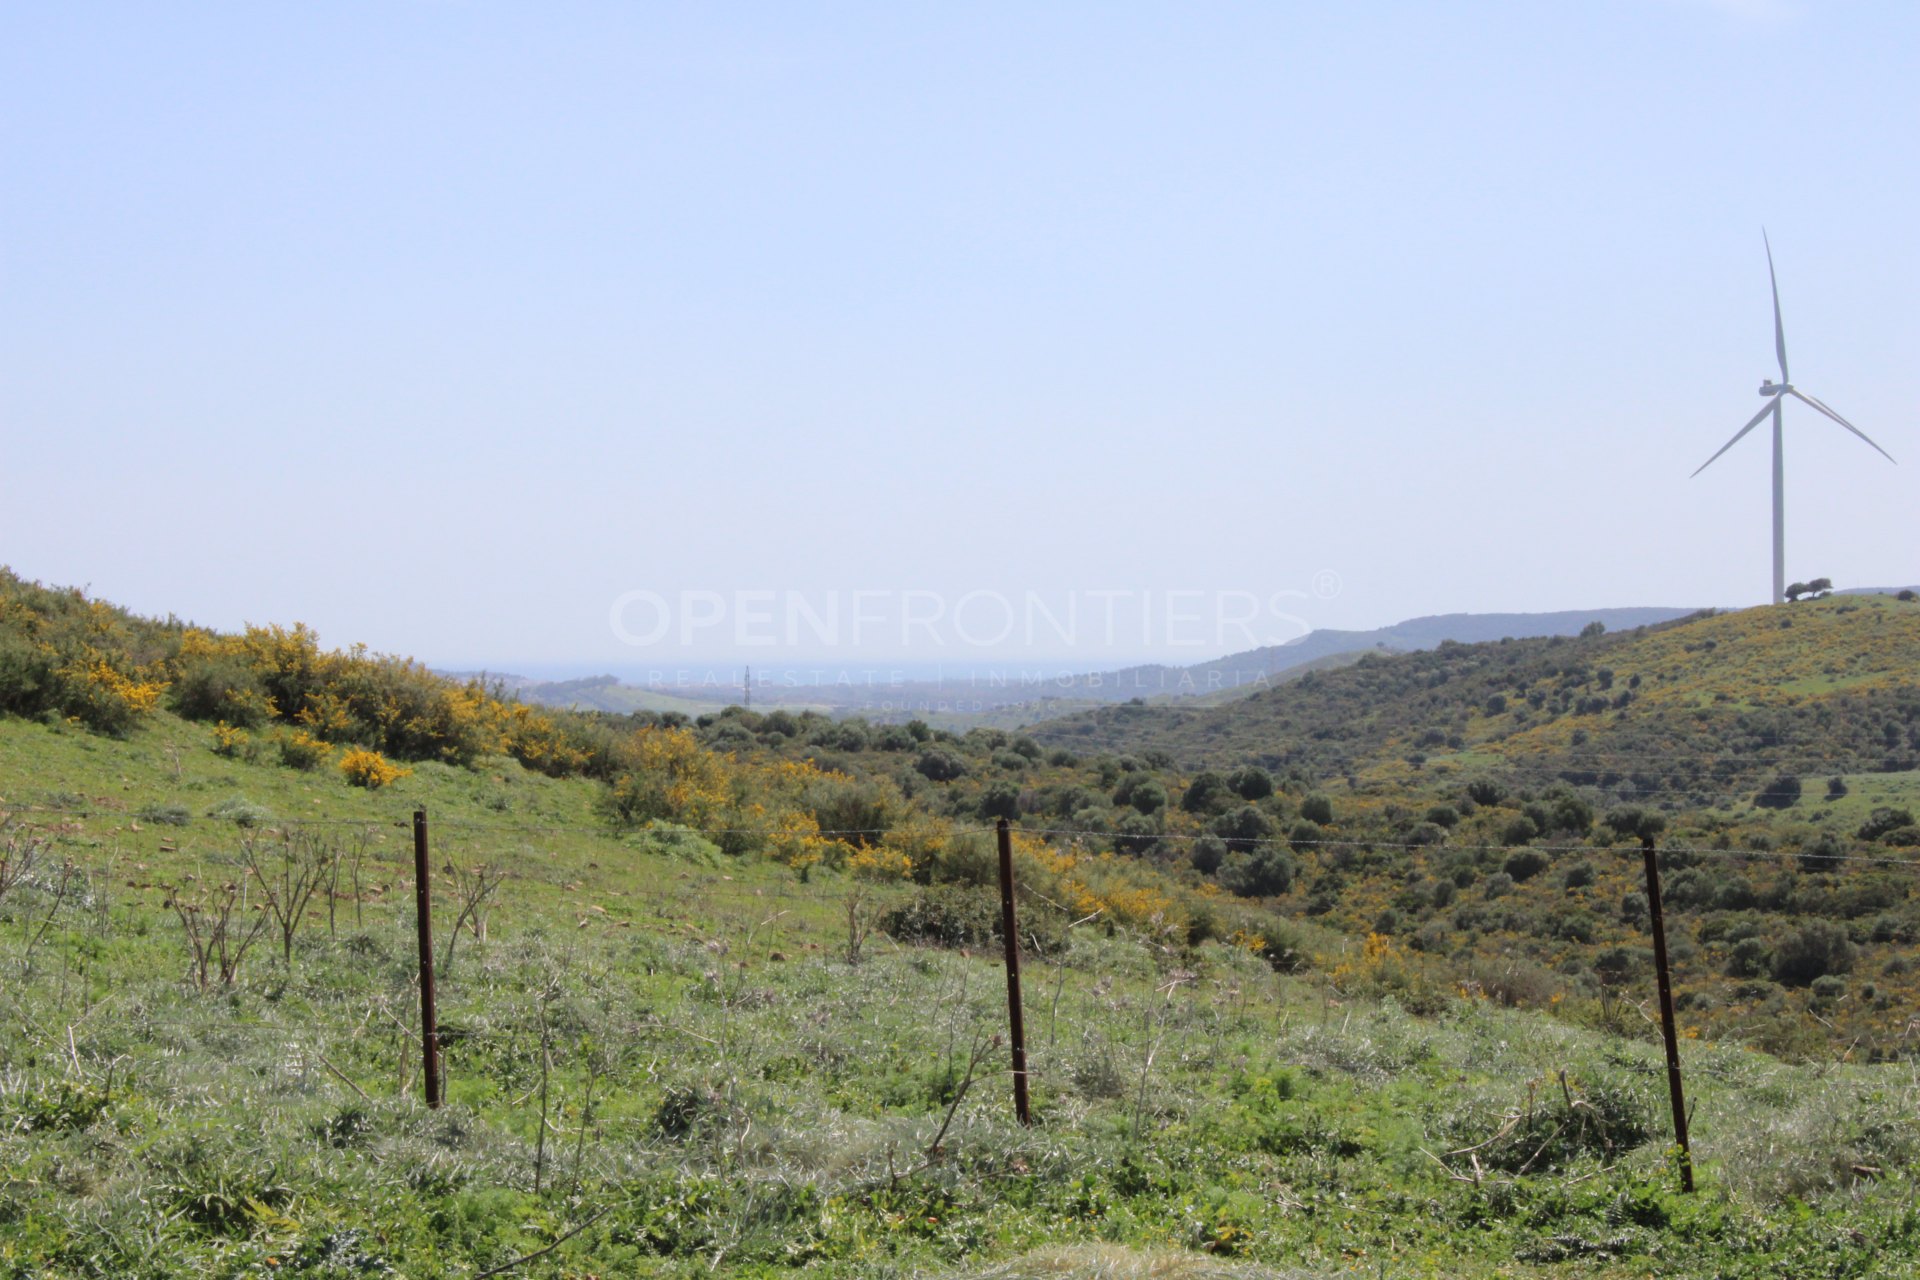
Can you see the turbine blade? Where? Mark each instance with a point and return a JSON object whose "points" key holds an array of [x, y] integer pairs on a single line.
{"points": [[1779, 330], [1751, 424], [1798, 394]]}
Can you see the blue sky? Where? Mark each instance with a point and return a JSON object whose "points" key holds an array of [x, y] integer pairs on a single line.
{"points": [[446, 326]]}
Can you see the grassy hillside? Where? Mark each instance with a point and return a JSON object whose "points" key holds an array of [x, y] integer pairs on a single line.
{"points": [[716, 1064], [1418, 797], [1694, 709], [722, 994], [1220, 678]]}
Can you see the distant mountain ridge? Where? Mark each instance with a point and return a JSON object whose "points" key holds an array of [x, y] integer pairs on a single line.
{"points": [[1255, 667], [1214, 680]]}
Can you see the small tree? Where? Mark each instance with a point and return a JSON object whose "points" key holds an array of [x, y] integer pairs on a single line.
{"points": [[288, 879], [1141, 790], [1242, 828], [472, 886], [1883, 821], [18, 852], [1633, 823], [1814, 950], [1823, 854], [940, 766], [216, 942], [1000, 800], [1138, 834], [1525, 864], [1259, 874], [1207, 793], [1251, 782], [1782, 793], [1209, 851]]}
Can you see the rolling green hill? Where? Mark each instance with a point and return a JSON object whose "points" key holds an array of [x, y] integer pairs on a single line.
{"points": [[721, 994], [1689, 711], [665, 1059]]}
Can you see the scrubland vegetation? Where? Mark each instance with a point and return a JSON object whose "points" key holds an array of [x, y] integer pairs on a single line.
{"points": [[722, 995]]}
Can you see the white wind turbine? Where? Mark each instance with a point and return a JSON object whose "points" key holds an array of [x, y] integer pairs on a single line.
{"points": [[1777, 393]]}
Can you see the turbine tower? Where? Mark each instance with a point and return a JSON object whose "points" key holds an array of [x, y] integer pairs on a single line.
{"points": [[1777, 393]]}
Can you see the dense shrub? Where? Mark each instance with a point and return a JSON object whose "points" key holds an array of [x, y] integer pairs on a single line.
{"points": [[1524, 864], [1141, 790], [1748, 958], [1207, 854], [1884, 820], [1571, 814], [999, 800], [939, 765], [860, 812], [1207, 793], [1484, 791], [1137, 834], [1242, 828], [1263, 872], [1609, 1116], [1815, 949], [370, 769], [954, 915], [1519, 829], [223, 688], [301, 750], [1251, 782]]}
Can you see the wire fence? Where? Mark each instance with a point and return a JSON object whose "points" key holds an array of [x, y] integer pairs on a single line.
{"points": [[1551, 845], [562, 972]]}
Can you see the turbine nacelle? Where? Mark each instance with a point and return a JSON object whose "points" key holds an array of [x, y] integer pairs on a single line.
{"points": [[1769, 387]]}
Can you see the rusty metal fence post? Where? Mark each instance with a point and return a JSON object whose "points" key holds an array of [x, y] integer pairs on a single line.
{"points": [[423, 921], [1016, 1018], [1658, 924]]}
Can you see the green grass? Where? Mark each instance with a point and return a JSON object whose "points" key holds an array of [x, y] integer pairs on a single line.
{"points": [[732, 1092], [1865, 793]]}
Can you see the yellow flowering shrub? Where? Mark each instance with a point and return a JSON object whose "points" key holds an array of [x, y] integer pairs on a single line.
{"points": [[326, 716], [228, 740], [796, 841], [370, 769], [879, 862], [301, 750], [668, 775], [911, 848], [536, 740], [1382, 969], [1117, 889], [1032, 856], [101, 696]]}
